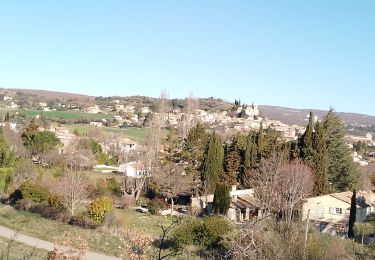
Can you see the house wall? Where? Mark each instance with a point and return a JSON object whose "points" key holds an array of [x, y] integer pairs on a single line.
{"points": [[323, 208]]}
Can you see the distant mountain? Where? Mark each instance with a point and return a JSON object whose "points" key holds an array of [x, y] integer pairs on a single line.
{"points": [[299, 116], [52, 94]]}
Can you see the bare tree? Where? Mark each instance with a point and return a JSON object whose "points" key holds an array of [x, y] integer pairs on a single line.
{"points": [[25, 171], [188, 121], [265, 182], [171, 181], [77, 158], [295, 184], [73, 188]]}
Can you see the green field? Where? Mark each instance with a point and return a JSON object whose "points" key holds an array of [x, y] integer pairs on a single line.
{"points": [[64, 114], [132, 133], [19, 250]]}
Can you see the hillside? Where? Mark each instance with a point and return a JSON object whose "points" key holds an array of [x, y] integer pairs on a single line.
{"points": [[283, 114], [298, 116]]}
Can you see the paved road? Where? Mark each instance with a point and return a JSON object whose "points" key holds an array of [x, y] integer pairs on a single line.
{"points": [[42, 244]]}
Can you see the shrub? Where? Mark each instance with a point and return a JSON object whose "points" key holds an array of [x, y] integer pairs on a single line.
{"points": [[6, 176], [83, 222], [100, 208], [207, 232], [55, 201], [34, 192], [222, 199], [154, 206], [114, 187], [45, 211], [127, 201]]}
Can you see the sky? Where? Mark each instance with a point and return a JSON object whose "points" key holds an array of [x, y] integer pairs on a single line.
{"points": [[303, 54]]}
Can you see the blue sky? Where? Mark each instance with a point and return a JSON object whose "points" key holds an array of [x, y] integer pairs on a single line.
{"points": [[304, 54]]}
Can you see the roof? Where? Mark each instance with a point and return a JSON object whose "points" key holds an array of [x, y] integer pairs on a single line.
{"points": [[244, 202], [363, 199]]}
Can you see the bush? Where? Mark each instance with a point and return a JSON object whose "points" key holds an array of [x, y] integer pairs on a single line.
{"points": [[55, 201], [114, 187], [127, 201], [100, 208], [207, 232], [6, 176], [154, 206], [83, 222], [34, 192], [45, 211]]}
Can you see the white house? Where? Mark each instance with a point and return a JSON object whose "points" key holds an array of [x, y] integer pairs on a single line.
{"points": [[6, 98], [334, 209], [243, 204], [134, 170]]}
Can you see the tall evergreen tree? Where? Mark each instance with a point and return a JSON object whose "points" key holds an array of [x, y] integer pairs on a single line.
{"points": [[320, 161], [342, 171], [352, 216], [261, 142], [232, 162], [194, 148], [221, 201], [306, 142], [7, 117], [250, 159], [213, 164]]}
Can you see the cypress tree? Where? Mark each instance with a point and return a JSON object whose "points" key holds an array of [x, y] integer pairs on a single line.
{"points": [[320, 161], [342, 171], [306, 142], [213, 164], [221, 200], [232, 162], [250, 158], [261, 142], [7, 117], [352, 216]]}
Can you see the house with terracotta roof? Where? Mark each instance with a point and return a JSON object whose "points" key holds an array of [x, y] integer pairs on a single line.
{"points": [[331, 211]]}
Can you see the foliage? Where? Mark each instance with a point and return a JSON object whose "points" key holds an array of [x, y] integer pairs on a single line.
{"points": [[342, 172], [138, 248], [232, 162], [83, 222], [320, 161], [154, 206], [207, 232], [222, 199], [68, 246], [99, 208], [213, 164], [55, 201], [352, 216], [34, 192], [38, 142], [6, 176], [363, 229], [114, 186], [194, 148]]}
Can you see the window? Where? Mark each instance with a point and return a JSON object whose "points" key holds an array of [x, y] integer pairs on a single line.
{"points": [[335, 211]]}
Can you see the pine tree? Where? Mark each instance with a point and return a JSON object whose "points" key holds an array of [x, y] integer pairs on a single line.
{"points": [[352, 216], [194, 148], [250, 159], [213, 164], [232, 162], [306, 143], [221, 201], [342, 171], [261, 142], [320, 161]]}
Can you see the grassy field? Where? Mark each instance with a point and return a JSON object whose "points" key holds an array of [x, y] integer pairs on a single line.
{"points": [[36, 226], [19, 251], [132, 133], [98, 240], [64, 114]]}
